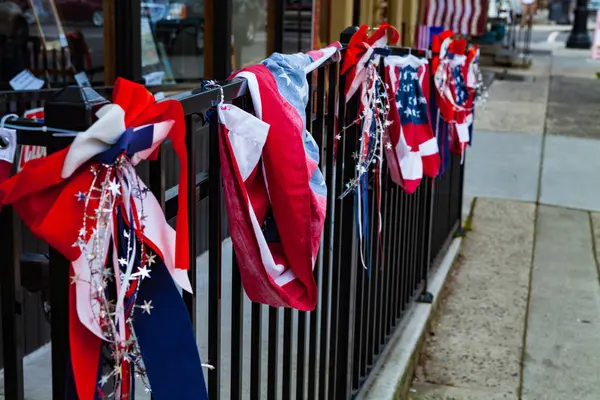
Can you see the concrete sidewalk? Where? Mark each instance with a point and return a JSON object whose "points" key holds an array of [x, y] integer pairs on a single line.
{"points": [[474, 346], [521, 315], [562, 352]]}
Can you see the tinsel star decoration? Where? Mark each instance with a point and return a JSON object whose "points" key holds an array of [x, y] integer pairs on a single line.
{"points": [[372, 124], [108, 293]]}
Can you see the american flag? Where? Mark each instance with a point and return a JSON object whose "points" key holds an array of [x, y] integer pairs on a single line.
{"points": [[467, 17], [274, 190], [425, 34]]}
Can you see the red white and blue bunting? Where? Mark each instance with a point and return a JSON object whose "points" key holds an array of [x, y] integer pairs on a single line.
{"points": [[127, 262]]}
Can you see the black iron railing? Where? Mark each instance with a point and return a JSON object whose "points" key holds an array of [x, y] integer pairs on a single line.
{"points": [[329, 353]]}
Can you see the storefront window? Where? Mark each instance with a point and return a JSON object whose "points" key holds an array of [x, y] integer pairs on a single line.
{"points": [[249, 32], [172, 40], [59, 41], [62, 41]]}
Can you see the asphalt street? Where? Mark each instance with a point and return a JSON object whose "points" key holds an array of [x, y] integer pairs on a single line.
{"points": [[560, 33]]}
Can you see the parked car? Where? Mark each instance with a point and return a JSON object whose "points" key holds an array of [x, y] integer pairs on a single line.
{"points": [[181, 17]]}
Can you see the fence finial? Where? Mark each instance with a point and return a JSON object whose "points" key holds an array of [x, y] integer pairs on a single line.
{"points": [[347, 33]]}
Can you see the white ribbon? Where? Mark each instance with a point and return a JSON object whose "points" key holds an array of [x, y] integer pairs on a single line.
{"points": [[8, 153], [103, 134]]}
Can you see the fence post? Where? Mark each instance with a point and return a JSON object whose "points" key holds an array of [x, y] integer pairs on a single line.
{"points": [[80, 105]]}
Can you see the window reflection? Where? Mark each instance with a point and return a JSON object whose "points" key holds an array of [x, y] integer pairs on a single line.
{"points": [[177, 28], [249, 32], [57, 39], [61, 39]]}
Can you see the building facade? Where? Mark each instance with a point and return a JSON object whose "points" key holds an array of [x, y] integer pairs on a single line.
{"points": [[171, 41]]}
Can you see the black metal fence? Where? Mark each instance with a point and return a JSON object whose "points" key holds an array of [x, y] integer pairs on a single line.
{"points": [[259, 351]]}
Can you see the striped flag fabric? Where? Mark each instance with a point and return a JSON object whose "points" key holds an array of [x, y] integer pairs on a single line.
{"points": [[275, 193], [423, 38], [412, 149], [467, 17]]}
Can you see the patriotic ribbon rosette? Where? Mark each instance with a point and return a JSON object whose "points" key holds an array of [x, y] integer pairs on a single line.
{"points": [[275, 193], [414, 150], [451, 87], [127, 317], [475, 87]]}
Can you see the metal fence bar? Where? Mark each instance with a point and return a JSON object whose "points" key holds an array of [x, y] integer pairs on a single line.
{"points": [[237, 325], [460, 189], [388, 257], [318, 132], [387, 273], [255, 352], [190, 147], [391, 273], [328, 233], [429, 236], [363, 299], [301, 355], [303, 316], [396, 266], [345, 257], [361, 282], [413, 234], [287, 355], [381, 266], [214, 261], [273, 353], [404, 260], [12, 304], [420, 218]]}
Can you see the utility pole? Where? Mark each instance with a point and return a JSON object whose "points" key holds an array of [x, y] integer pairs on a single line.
{"points": [[579, 38]]}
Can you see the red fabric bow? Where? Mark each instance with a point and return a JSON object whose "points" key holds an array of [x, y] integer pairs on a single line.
{"points": [[48, 205], [359, 45], [436, 47]]}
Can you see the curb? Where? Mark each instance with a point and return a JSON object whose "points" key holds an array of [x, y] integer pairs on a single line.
{"points": [[395, 375]]}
